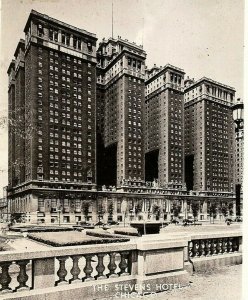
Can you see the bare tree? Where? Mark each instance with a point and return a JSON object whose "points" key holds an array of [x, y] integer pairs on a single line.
{"points": [[195, 209]]}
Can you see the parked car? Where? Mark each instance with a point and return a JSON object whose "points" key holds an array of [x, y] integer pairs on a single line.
{"points": [[174, 222], [228, 220], [165, 224], [100, 223], [188, 221], [113, 222], [87, 225], [105, 227], [238, 219], [77, 227]]}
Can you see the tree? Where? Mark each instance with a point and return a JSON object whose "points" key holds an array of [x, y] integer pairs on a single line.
{"points": [[230, 208], [224, 210], [110, 209], [176, 208], [213, 211], [85, 207], [138, 207], [156, 210], [195, 209]]}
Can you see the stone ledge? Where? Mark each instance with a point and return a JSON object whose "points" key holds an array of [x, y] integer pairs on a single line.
{"points": [[213, 235], [67, 251], [153, 245], [205, 263]]}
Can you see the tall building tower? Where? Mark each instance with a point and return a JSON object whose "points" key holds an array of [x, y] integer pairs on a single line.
{"points": [[208, 136], [164, 126], [120, 90], [52, 95], [16, 99]]}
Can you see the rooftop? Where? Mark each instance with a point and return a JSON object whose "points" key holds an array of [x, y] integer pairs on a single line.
{"points": [[57, 22], [209, 80]]}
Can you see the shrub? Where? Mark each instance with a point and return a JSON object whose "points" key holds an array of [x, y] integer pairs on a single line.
{"points": [[127, 231], [59, 239], [40, 229], [104, 234]]}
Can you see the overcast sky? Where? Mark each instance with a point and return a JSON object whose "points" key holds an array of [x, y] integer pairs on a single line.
{"points": [[203, 37]]}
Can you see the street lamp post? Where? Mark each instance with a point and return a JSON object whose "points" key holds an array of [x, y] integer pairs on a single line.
{"points": [[131, 214], [59, 211], [238, 117], [124, 214]]}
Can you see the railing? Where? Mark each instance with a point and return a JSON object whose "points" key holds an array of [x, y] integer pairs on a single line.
{"points": [[198, 248], [24, 271], [71, 271], [211, 245]]}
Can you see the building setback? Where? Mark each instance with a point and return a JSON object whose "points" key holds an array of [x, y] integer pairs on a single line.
{"points": [[209, 136], [164, 126]]}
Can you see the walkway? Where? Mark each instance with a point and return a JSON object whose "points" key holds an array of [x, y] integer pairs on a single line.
{"points": [[221, 284]]}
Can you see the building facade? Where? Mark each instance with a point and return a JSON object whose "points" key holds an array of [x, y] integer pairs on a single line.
{"points": [[120, 85], [52, 99], [209, 136], [95, 135], [164, 126]]}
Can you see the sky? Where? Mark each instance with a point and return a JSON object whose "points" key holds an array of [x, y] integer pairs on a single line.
{"points": [[203, 37]]}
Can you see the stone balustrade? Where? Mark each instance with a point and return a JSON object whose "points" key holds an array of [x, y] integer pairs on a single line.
{"points": [[208, 247], [93, 263], [76, 271], [215, 244]]}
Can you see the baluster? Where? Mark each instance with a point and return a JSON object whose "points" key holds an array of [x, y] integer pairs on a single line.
{"points": [[203, 247], [229, 245], [224, 245], [204, 242], [212, 247], [62, 272], [75, 270], [200, 248], [221, 244], [218, 246], [235, 245], [123, 263], [207, 248], [190, 246], [22, 278], [100, 266], [112, 265], [194, 249], [5, 278], [88, 268]]}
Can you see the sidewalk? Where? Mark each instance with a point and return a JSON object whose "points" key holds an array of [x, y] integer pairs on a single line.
{"points": [[220, 284]]}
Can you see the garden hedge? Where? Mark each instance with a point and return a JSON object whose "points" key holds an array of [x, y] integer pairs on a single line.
{"points": [[59, 239]]}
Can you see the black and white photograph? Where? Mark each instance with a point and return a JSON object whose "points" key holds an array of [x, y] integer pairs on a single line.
{"points": [[122, 149]]}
